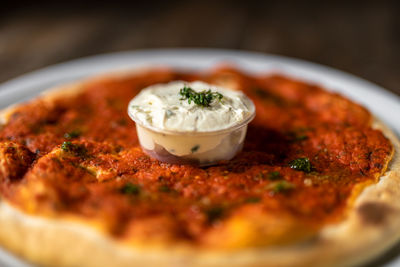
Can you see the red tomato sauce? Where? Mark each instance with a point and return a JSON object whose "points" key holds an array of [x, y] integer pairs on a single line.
{"points": [[102, 174]]}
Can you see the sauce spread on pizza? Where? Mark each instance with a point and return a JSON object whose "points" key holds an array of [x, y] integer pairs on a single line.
{"points": [[306, 154]]}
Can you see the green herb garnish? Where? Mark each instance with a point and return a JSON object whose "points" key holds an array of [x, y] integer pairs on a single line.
{"points": [[75, 149], [281, 187], [195, 148], [73, 134], [298, 135], [253, 200], [66, 146], [122, 122], [301, 164], [214, 213], [164, 188], [261, 93], [268, 96], [259, 176], [301, 137], [203, 98], [130, 189], [275, 175]]}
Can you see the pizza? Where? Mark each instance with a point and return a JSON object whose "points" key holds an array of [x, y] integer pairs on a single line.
{"points": [[317, 181]]}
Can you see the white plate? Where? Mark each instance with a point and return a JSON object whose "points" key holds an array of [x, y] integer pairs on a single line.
{"points": [[380, 102]]}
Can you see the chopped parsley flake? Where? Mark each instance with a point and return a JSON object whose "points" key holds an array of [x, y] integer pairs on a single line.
{"points": [[301, 164], [214, 213], [260, 92], [130, 189], [300, 137], [203, 98], [73, 134], [265, 95], [195, 148], [122, 122], [281, 186], [253, 200], [259, 176], [275, 175], [164, 188], [296, 136], [75, 149]]}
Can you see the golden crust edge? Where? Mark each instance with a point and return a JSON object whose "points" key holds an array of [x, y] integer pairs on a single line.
{"points": [[350, 242]]}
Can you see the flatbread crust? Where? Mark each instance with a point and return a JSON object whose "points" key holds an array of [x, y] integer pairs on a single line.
{"points": [[372, 225]]}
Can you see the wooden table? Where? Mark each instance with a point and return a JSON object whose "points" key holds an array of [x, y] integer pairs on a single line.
{"points": [[360, 38]]}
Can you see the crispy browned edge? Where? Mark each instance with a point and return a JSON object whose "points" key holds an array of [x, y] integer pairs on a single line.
{"points": [[371, 226]]}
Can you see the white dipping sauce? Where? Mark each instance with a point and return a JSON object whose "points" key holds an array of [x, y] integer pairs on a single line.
{"points": [[206, 134], [161, 106]]}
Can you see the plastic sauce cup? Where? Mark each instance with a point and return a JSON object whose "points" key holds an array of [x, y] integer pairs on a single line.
{"points": [[196, 148]]}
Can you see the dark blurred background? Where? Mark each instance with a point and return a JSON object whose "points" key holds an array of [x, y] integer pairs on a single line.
{"points": [[360, 37]]}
